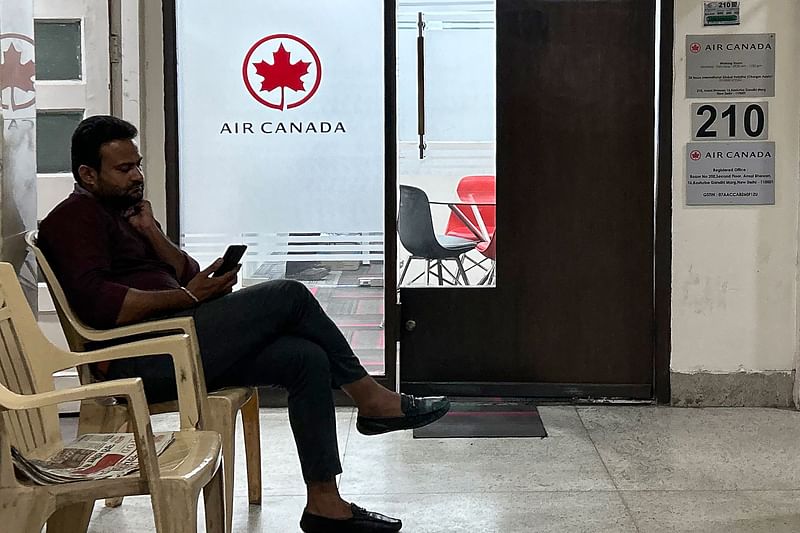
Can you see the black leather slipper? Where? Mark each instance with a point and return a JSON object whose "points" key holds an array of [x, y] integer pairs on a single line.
{"points": [[417, 412], [363, 521]]}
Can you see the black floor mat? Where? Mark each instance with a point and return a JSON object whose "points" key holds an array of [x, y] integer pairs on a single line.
{"points": [[475, 419]]}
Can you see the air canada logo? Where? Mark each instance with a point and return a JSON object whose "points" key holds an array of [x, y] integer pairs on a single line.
{"points": [[17, 71], [282, 71], [696, 155], [695, 48]]}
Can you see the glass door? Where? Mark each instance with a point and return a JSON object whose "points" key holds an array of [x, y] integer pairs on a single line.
{"points": [[282, 147], [446, 130]]}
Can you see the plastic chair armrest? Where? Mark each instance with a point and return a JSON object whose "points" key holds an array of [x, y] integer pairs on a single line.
{"points": [[131, 388], [189, 377], [155, 327]]}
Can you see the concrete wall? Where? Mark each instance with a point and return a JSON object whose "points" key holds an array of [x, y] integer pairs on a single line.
{"points": [[734, 307]]}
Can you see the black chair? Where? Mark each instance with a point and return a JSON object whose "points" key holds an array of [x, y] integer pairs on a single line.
{"points": [[415, 228]]}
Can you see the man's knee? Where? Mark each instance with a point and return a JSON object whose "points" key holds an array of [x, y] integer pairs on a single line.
{"points": [[311, 364], [293, 288], [314, 359]]}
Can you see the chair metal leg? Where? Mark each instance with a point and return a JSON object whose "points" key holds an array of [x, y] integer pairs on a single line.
{"points": [[427, 272], [415, 279], [452, 276], [405, 269], [488, 279], [439, 269], [461, 270], [474, 264]]}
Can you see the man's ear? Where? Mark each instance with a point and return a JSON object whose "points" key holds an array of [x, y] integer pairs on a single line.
{"points": [[88, 176]]}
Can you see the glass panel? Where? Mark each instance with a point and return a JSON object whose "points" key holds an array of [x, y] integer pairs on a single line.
{"points": [[457, 173], [282, 147], [58, 50], [53, 134]]}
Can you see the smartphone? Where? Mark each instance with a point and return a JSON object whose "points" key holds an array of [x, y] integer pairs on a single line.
{"points": [[231, 258]]}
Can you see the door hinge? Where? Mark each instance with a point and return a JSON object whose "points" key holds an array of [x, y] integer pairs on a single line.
{"points": [[114, 49]]}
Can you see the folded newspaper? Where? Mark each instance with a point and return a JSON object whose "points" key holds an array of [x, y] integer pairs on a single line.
{"points": [[90, 456]]}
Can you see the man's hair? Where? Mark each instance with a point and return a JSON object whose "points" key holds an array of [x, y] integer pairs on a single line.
{"points": [[91, 134]]}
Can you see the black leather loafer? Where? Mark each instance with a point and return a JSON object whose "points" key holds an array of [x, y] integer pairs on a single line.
{"points": [[417, 412], [363, 521]]}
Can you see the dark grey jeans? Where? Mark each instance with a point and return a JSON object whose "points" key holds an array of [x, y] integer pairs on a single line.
{"points": [[274, 333]]}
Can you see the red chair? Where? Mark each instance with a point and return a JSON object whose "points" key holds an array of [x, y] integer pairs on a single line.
{"points": [[474, 189]]}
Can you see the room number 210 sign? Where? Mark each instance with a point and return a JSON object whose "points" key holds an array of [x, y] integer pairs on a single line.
{"points": [[730, 121]]}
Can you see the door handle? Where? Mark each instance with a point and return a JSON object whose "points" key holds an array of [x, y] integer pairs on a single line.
{"points": [[421, 85]]}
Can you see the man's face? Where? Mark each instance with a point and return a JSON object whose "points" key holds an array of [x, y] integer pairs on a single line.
{"points": [[120, 180]]}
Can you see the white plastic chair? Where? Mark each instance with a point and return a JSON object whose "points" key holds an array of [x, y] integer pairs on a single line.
{"points": [[107, 416], [29, 422]]}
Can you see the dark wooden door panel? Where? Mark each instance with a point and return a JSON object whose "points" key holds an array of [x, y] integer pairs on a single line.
{"points": [[574, 301]]}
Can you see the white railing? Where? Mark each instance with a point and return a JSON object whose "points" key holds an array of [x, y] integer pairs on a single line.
{"points": [[361, 246]]}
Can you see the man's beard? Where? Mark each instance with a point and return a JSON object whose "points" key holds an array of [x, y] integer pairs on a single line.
{"points": [[122, 201]]}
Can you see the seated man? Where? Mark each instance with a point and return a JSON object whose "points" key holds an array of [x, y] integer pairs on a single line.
{"points": [[117, 267]]}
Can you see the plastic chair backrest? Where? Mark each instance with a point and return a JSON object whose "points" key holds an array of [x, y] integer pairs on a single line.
{"points": [[478, 189], [20, 371], [74, 328], [415, 223]]}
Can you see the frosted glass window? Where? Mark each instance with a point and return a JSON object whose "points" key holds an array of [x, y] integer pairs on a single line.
{"points": [[53, 135], [58, 50]]}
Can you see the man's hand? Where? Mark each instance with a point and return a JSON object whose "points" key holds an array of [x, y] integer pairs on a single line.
{"points": [[141, 217], [204, 287]]}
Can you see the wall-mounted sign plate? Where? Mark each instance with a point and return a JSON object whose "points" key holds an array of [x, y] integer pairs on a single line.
{"points": [[741, 173], [730, 121], [721, 14], [729, 66]]}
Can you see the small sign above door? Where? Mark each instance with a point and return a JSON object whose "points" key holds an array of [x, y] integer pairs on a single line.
{"points": [[721, 13]]}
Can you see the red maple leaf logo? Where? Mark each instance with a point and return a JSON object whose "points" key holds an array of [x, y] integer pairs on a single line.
{"points": [[282, 73], [15, 74]]}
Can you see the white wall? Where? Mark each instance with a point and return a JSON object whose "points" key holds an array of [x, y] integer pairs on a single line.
{"points": [[734, 298], [151, 105]]}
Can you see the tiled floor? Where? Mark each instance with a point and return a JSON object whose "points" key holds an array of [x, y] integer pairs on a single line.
{"points": [[602, 469]]}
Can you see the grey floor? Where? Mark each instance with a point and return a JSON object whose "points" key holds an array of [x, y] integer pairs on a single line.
{"points": [[602, 469]]}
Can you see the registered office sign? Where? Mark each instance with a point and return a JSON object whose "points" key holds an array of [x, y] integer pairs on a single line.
{"points": [[740, 173], [730, 121], [721, 13], [730, 66]]}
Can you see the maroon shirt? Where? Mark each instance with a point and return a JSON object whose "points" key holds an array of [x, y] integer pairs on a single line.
{"points": [[97, 256]]}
